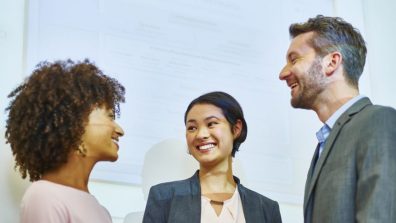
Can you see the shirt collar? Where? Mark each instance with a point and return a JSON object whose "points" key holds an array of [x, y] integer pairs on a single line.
{"points": [[323, 133], [333, 118]]}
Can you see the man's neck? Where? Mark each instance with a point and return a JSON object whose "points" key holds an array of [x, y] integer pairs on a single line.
{"points": [[332, 100]]}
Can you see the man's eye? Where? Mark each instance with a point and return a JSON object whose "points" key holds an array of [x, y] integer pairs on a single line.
{"points": [[295, 60]]}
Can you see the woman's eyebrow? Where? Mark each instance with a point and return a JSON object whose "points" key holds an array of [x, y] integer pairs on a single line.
{"points": [[210, 117]]}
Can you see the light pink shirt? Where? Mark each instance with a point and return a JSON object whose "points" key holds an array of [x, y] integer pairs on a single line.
{"points": [[232, 211], [45, 201]]}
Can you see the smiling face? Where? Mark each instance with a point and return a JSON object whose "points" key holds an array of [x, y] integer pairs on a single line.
{"points": [[303, 72], [209, 135], [101, 135]]}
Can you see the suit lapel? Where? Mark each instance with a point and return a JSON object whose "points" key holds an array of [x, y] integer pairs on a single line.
{"points": [[341, 121], [309, 175]]}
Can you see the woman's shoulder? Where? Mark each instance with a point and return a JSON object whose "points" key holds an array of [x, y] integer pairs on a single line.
{"points": [[48, 188], [40, 202], [45, 201], [41, 190], [49, 193], [252, 200], [255, 196], [172, 185], [172, 188]]}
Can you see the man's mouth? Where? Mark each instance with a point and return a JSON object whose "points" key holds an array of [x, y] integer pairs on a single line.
{"points": [[292, 86]]}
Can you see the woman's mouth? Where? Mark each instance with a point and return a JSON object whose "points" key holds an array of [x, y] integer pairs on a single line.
{"points": [[115, 141], [206, 147]]}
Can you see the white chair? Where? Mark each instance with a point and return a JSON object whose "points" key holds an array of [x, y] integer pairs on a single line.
{"points": [[166, 161]]}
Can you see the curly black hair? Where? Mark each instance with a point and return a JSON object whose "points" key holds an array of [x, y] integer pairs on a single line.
{"points": [[49, 111]]}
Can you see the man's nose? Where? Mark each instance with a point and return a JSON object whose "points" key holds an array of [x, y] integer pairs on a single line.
{"points": [[284, 73]]}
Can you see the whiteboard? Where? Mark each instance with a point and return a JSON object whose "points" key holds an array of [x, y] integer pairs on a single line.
{"points": [[166, 53]]}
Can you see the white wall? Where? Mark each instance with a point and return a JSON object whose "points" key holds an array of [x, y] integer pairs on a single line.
{"points": [[379, 20], [11, 66], [374, 18]]}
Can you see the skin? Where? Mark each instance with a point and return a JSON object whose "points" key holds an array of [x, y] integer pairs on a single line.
{"points": [[100, 143], [206, 126], [316, 83], [101, 135]]}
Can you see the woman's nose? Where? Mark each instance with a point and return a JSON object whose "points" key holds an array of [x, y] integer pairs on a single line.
{"points": [[119, 130], [203, 133]]}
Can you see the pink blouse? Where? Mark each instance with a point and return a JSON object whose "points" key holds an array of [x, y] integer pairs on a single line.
{"points": [[232, 211], [45, 201]]}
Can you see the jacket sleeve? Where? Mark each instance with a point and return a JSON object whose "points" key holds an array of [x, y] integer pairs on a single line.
{"points": [[376, 169]]}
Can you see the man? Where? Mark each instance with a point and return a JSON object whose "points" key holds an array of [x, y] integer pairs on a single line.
{"points": [[352, 177]]}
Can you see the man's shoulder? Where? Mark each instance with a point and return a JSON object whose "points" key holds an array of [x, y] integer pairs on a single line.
{"points": [[375, 113], [382, 109]]}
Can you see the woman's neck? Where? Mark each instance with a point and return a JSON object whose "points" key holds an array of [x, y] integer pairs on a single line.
{"points": [[75, 173], [217, 179]]}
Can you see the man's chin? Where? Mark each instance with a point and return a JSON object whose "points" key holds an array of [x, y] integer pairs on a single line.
{"points": [[298, 103], [295, 102]]}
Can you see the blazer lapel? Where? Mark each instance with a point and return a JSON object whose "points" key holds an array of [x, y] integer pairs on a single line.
{"points": [[195, 204], [251, 210], [186, 207], [344, 118]]}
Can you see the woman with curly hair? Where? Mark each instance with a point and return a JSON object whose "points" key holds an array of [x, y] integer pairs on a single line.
{"points": [[60, 124]]}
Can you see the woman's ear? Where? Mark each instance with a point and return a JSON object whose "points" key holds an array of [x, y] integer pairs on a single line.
{"points": [[237, 129]]}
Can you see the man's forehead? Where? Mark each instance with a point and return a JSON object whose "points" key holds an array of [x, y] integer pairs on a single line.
{"points": [[300, 44]]}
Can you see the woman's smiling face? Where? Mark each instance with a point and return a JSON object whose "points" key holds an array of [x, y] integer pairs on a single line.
{"points": [[101, 135], [209, 135]]}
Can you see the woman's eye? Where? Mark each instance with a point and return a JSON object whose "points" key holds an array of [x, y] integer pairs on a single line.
{"points": [[191, 128], [210, 124]]}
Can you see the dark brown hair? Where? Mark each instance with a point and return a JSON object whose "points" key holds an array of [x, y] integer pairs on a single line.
{"points": [[334, 34], [49, 111]]}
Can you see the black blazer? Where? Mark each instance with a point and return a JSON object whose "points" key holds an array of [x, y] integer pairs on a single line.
{"points": [[180, 201]]}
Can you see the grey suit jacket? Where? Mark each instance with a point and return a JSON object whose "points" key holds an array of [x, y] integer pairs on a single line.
{"points": [[180, 202], [355, 177]]}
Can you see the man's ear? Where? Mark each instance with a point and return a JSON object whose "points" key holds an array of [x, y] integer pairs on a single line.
{"points": [[332, 62], [237, 129]]}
